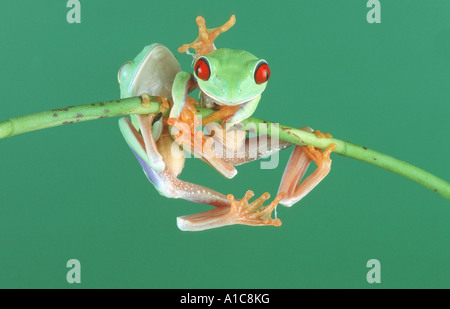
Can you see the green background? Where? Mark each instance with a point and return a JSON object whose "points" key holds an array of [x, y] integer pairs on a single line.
{"points": [[78, 192]]}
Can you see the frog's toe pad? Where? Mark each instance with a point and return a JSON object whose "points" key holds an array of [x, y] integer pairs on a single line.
{"points": [[322, 135]]}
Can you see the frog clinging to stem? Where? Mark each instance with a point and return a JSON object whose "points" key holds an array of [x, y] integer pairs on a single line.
{"points": [[230, 82]]}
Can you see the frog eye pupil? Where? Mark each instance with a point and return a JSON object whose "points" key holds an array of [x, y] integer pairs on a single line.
{"points": [[262, 73], [201, 69]]}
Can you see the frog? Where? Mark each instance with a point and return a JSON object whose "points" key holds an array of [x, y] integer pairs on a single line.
{"points": [[231, 83]]}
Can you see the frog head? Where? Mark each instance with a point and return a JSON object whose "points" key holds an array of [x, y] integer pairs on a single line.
{"points": [[230, 76]]}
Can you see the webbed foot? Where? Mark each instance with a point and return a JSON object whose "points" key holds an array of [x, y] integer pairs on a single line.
{"points": [[321, 158], [204, 43], [254, 213], [240, 212]]}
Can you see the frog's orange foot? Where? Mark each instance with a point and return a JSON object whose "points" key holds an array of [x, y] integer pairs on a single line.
{"points": [[204, 44], [240, 212], [224, 113], [194, 140], [165, 105], [254, 213], [321, 158], [322, 135], [187, 135]]}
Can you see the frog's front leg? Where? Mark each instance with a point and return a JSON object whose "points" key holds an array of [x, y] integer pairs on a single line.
{"points": [[298, 163], [183, 84], [233, 114], [184, 117]]}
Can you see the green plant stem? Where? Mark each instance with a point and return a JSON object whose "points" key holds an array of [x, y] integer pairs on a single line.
{"points": [[138, 105], [363, 154], [73, 114]]}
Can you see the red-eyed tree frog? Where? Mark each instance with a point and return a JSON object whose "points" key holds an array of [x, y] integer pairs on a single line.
{"points": [[231, 82]]}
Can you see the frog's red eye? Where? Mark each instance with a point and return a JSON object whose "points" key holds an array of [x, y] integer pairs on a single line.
{"points": [[262, 72], [201, 69]]}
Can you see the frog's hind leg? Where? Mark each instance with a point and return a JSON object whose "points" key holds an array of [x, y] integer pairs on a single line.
{"points": [[298, 163], [155, 159], [228, 211], [166, 180]]}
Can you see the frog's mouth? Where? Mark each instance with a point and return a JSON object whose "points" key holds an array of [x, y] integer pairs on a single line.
{"points": [[210, 101]]}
